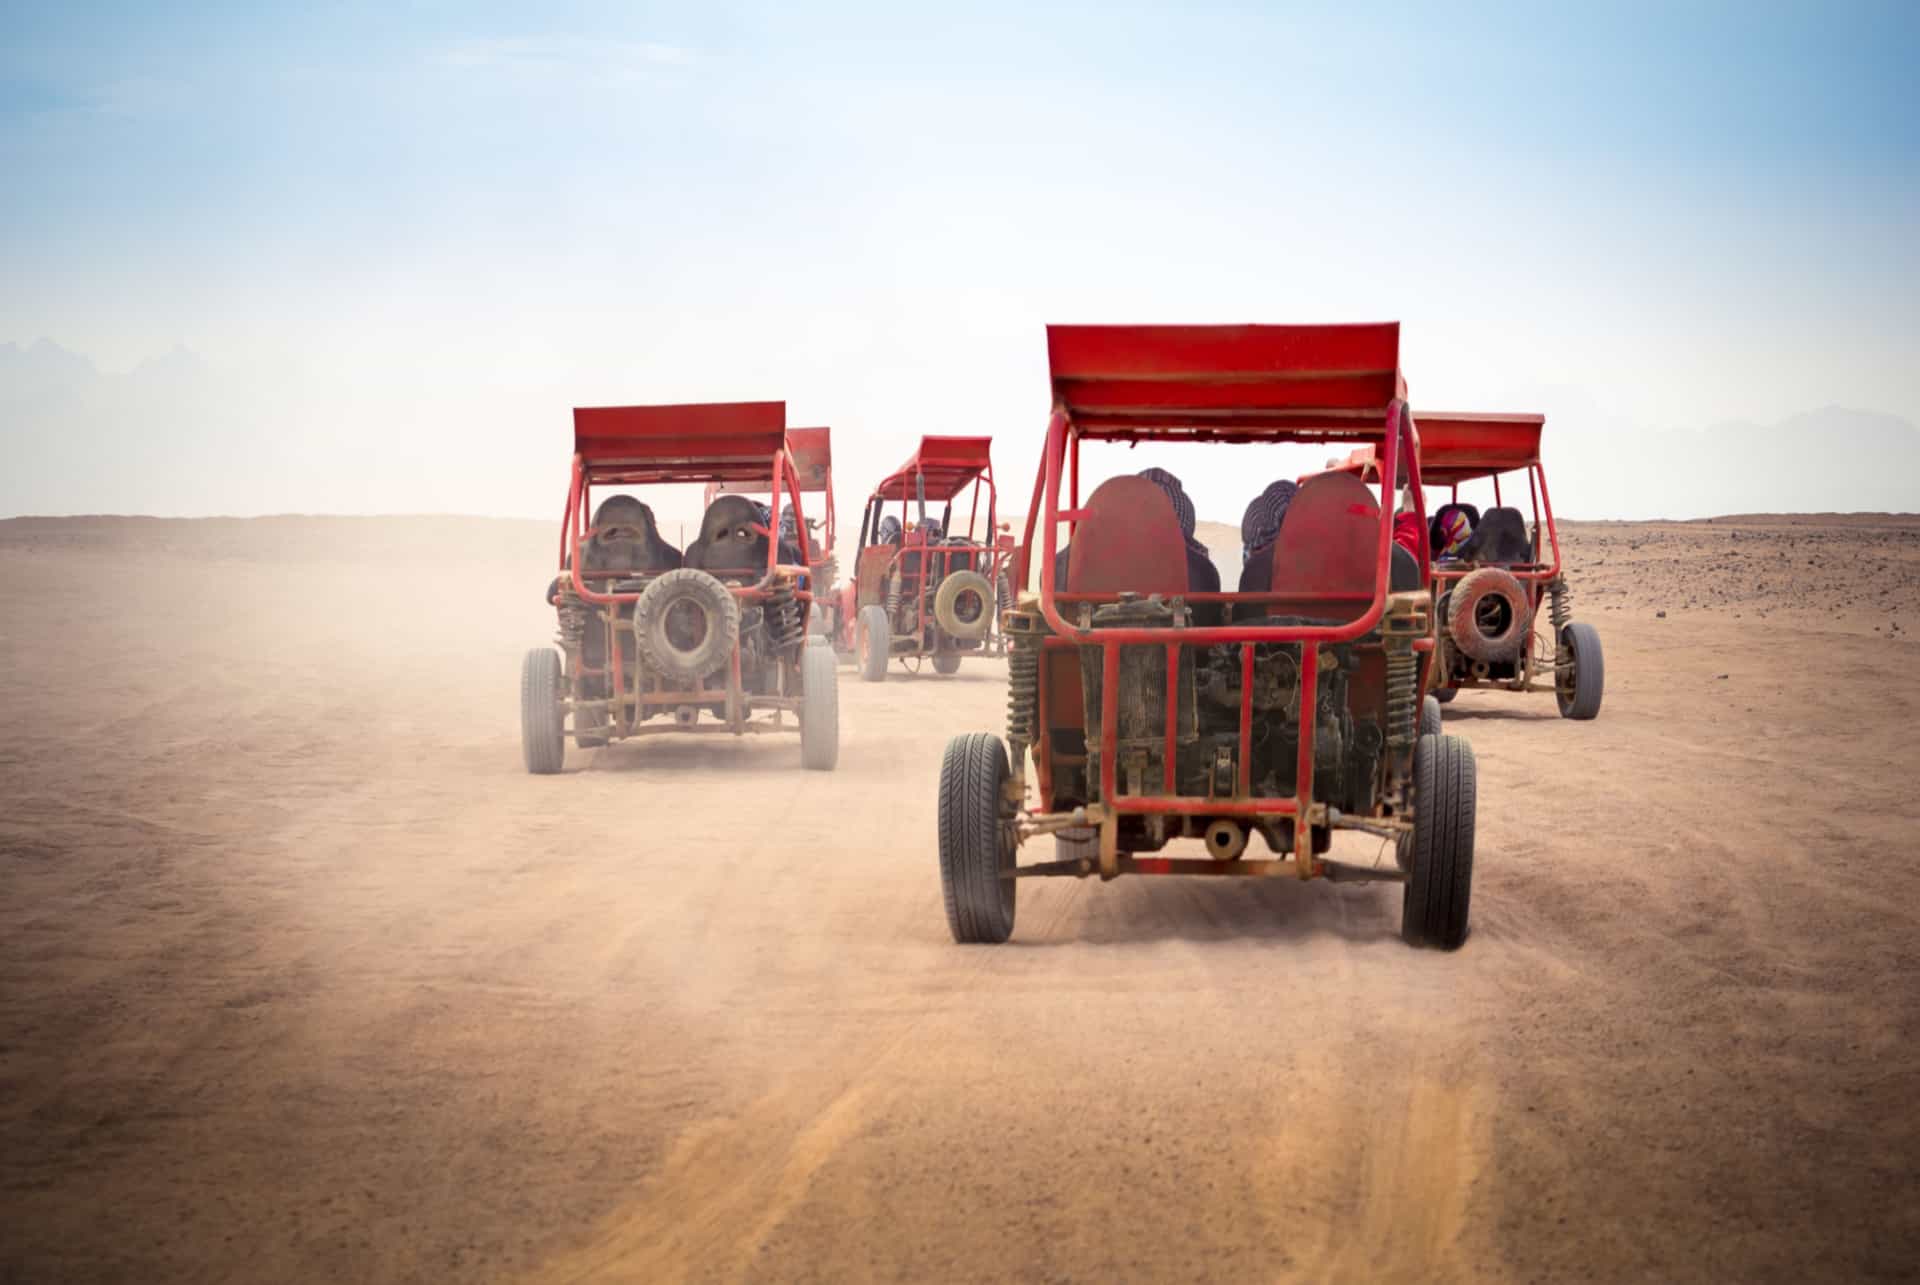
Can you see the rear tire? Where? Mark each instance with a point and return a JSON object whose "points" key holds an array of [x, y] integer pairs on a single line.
{"points": [[543, 742], [819, 708], [976, 843], [1430, 716], [946, 663], [1582, 641], [875, 634], [1439, 860]]}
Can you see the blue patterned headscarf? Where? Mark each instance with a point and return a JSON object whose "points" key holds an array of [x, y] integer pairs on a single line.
{"points": [[1260, 526], [1182, 506]]}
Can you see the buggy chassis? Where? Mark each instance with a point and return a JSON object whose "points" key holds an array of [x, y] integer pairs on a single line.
{"points": [[1337, 606], [731, 444], [1460, 447], [893, 610]]}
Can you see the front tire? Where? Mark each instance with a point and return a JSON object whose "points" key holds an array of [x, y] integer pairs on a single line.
{"points": [[1580, 698], [819, 708], [874, 642], [543, 742], [976, 843], [1439, 860]]}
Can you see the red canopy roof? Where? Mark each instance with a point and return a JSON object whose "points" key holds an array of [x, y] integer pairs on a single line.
{"points": [[1227, 383], [947, 463], [1456, 447], [707, 442]]}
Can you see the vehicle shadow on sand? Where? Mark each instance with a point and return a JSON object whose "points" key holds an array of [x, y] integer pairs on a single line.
{"points": [[1517, 713], [747, 757], [1213, 909]]}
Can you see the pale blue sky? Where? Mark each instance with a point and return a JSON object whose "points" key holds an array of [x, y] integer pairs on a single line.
{"points": [[397, 236]]}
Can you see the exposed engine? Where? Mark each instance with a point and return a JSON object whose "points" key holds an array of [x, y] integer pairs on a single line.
{"points": [[1207, 731]]}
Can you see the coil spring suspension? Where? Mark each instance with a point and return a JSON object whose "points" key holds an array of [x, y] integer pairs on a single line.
{"points": [[1023, 689], [1559, 605], [893, 595], [784, 623], [573, 622], [1403, 684]]}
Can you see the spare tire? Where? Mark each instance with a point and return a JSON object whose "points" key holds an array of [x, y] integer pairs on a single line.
{"points": [[1488, 616], [686, 623], [964, 606]]}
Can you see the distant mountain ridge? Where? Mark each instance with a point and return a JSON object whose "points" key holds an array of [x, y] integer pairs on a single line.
{"points": [[176, 436]]}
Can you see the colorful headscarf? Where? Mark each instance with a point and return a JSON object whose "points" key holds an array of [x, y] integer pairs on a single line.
{"points": [[1453, 530], [1260, 526]]}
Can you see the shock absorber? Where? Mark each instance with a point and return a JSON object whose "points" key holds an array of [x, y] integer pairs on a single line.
{"points": [[783, 614], [573, 621], [1559, 605], [893, 595], [1023, 686], [1403, 684], [1398, 630]]}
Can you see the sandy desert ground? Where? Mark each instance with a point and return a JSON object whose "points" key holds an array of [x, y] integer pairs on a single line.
{"points": [[302, 976]]}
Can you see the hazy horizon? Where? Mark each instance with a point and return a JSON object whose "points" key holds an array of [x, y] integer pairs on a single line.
{"points": [[366, 261]]}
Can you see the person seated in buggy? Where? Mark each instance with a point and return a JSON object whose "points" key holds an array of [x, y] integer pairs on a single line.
{"points": [[1202, 575], [1260, 529], [1499, 537]]}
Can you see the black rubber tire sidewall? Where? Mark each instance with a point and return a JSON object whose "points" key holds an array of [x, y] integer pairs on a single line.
{"points": [[819, 709], [872, 642], [1438, 892], [543, 742], [976, 846], [946, 599], [1465, 598], [946, 662], [1589, 675], [687, 584]]}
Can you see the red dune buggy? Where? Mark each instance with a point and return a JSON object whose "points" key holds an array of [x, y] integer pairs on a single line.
{"points": [[919, 589], [1300, 715], [1489, 591], [655, 640]]}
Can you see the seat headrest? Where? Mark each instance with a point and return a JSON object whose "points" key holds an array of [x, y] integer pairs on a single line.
{"points": [[1328, 543], [1129, 541]]}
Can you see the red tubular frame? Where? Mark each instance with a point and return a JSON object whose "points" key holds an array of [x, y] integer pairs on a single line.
{"points": [[782, 477], [1398, 433]]}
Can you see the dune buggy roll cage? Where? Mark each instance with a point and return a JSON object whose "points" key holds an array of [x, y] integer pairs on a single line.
{"points": [[730, 443], [1242, 384], [1459, 447], [810, 451], [939, 469]]}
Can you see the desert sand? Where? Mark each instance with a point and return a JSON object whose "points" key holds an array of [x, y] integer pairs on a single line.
{"points": [[302, 976]]}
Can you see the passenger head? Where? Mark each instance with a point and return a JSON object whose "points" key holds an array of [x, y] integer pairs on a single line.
{"points": [[1451, 529], [1260, 525], [1182, 506]]}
